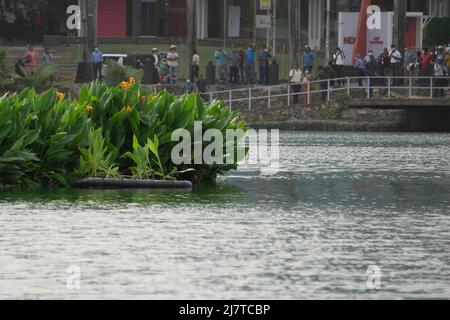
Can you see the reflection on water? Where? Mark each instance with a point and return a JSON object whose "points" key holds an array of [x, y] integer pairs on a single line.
{"points": [[341, 203]]}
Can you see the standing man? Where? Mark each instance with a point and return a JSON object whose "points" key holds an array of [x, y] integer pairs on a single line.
{"points": [[263, 59], [47, 57], [195, 67], [410, 60], [235, 61], [10, 18], [371, 71], [359, 66], [155, 61], [396, 64], [325, 74], [250, 64], [295, 80], [242, 64], [38, 26], [308, 60], [97, 60], [172, 62], [221, 64], [339, 58]]}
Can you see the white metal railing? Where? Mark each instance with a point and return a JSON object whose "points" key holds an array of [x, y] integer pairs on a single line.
{"points": [[405, 86]]}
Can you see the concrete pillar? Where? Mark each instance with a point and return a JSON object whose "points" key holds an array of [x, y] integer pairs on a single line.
{"points": [[88, 25], [294, 31], [202, 19], [136, 18], [191, 26], [400, 24]]}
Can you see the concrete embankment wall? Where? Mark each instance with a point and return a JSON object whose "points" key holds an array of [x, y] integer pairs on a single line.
{"points": [[319, 116]]}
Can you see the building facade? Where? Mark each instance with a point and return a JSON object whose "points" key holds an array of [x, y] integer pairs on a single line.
{"points": [[215, 19]]}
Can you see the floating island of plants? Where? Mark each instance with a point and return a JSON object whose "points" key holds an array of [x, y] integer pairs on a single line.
{"points": [[109, 132]]}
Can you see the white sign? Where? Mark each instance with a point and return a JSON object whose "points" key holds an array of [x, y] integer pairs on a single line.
{"points": [[234, 22], [377, 39], [263, 21]]}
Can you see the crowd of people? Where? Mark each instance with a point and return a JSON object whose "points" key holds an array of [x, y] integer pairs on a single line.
{"points": [[423, 65], [21, 23], [240, 67]]}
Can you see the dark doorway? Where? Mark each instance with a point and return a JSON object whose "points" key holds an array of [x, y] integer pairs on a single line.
{"points": [[153, 18]]}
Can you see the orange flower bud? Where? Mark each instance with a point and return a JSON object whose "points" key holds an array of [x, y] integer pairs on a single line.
{"points": [[59, 96], [128, 109], [124, 84]]}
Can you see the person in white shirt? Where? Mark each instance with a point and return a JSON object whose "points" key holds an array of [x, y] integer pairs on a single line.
{"points": [[155, 54], [172, 62], [195, 67], [395, 57], [155, 61], [295, 80], [440, 72], [339, 58]]}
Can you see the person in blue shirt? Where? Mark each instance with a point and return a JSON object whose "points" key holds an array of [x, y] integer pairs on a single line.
{"points": [[308, 60], [264, 57], [221, 64], [371, 71], [360, 69], [250, 64], [97, 60]]}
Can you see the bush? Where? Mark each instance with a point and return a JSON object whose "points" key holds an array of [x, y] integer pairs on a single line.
{"points": [[39, 79], [115, 73], [435, 32], [46, 139], [3, 68], [342, 100]]}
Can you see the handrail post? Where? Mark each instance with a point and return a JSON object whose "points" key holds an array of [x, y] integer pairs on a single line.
{"points": [[308, 86], [210, 96], [368, 88], [250, 99], [328, 90], [348, 86], [431, 88], [269, 96], [389, 87], [410, 87], [289, 94], [230, 95]]}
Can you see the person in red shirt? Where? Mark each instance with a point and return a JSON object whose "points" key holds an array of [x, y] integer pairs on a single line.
{"points": [[425, 63], [426, 68]]}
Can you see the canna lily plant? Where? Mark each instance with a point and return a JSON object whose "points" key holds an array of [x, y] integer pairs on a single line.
{"points": [[50, 139]]}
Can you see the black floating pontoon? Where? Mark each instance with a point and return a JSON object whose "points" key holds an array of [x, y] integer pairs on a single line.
{"points": [[131, 184]]}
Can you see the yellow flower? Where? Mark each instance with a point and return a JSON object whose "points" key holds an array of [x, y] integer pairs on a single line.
{"points": [[89, 108], [154, 98], [59, 96], [132, 80], [128, 109], [124, 84]]}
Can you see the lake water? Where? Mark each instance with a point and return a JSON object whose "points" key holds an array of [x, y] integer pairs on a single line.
{"points": [[343, 202]]}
